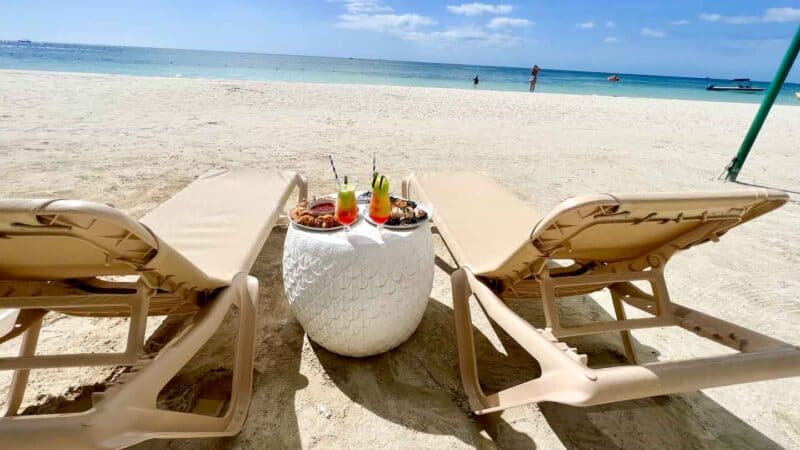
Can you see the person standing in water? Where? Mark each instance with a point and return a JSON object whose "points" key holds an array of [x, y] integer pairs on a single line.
{"points": [[534, 76], [475, 81]]}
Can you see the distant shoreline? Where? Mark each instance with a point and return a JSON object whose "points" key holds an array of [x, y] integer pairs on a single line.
{"points": [[79, 44], [370, 85], [356, 85], [141, 61]]}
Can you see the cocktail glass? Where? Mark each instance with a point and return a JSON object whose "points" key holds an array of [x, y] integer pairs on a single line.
{"points": [[380, 208], [346, 205]]}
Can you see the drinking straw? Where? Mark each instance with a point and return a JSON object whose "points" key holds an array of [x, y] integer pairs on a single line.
{"points": [[373, 163], [335, 176]]}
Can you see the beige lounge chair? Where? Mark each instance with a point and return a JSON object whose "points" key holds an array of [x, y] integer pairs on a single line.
{"points": [[505, 249], [192, 254]]}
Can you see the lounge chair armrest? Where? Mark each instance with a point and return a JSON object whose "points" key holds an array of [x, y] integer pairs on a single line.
{"points": [[302, 187]]}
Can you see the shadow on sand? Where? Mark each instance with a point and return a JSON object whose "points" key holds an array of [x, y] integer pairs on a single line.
{"points": [[687, 420], [272, 419], [418, 386], [788, 191]]}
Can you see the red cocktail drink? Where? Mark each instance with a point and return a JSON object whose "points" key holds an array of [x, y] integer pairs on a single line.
{"points": [[346, 205], [380, 208], [346, 216]]}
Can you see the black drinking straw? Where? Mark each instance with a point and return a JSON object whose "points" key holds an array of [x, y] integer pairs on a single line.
{"points": [[335, 176]]}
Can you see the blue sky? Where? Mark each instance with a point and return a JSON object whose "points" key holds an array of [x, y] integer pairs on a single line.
{"points": [[672, 37]]}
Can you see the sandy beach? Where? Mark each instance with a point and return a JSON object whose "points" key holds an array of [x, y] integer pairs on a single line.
{"points": [[134, 142]]}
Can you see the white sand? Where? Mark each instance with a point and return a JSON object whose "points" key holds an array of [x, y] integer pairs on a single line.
{"points": [[136, 141]]}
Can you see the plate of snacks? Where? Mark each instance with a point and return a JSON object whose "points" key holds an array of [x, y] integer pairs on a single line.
{"points": [[316, 215], [406, 214]]}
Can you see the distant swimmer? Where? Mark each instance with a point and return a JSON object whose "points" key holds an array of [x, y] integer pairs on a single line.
{"points": [[534, 76], [475, 81]]}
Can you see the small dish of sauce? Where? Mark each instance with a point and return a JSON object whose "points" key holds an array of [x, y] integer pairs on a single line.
{"points": [[322, 206]]}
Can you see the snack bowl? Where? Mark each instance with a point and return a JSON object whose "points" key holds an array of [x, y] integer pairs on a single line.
{"points": [[322, 206]]}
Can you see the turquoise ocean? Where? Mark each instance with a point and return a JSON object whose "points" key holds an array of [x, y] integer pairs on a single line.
{"points": [[266, 67]]}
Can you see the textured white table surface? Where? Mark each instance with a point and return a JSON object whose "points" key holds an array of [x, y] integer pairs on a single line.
{"points": [[360, 293]]}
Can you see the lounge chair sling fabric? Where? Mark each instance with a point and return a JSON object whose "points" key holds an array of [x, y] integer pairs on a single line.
{"points": [[610, 241], [472, 209], [191, 254], [188, 246], [219, 222]]}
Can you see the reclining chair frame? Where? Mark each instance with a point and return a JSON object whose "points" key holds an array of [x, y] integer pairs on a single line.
{"points": [[565, 375], [125, 412]]}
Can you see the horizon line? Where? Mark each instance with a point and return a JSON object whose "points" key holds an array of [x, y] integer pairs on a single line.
{"points": [[16, 41]]}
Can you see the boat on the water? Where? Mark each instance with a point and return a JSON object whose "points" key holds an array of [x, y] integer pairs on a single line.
{"points": [[743, 86], [613, 78], [711, 87]]}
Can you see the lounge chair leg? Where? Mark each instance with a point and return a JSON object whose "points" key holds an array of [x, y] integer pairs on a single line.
{"points": [[241, 389], [138, 324], [661, 294], [619, 311], [467, 358], [549, 303], [19, 382]]}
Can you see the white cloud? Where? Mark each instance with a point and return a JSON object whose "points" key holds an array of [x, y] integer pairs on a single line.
{"points": [[474, 9], [649, 32], [769, 15], [610, 24], [373, 15], [734, 20], [384, 22], [781, 15], [680, 22], [365, 6], [470, 34], [369, 15], [710, 17], [507, 22], [740, 20], [586, 25], [611, 40]]}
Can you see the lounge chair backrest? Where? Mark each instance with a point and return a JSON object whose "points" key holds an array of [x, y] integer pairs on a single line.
{"points": [[72, 239], [489, 229], [610, 228]]}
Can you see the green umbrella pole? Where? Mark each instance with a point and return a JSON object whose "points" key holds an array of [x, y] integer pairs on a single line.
{"points": [[766, 105]]}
